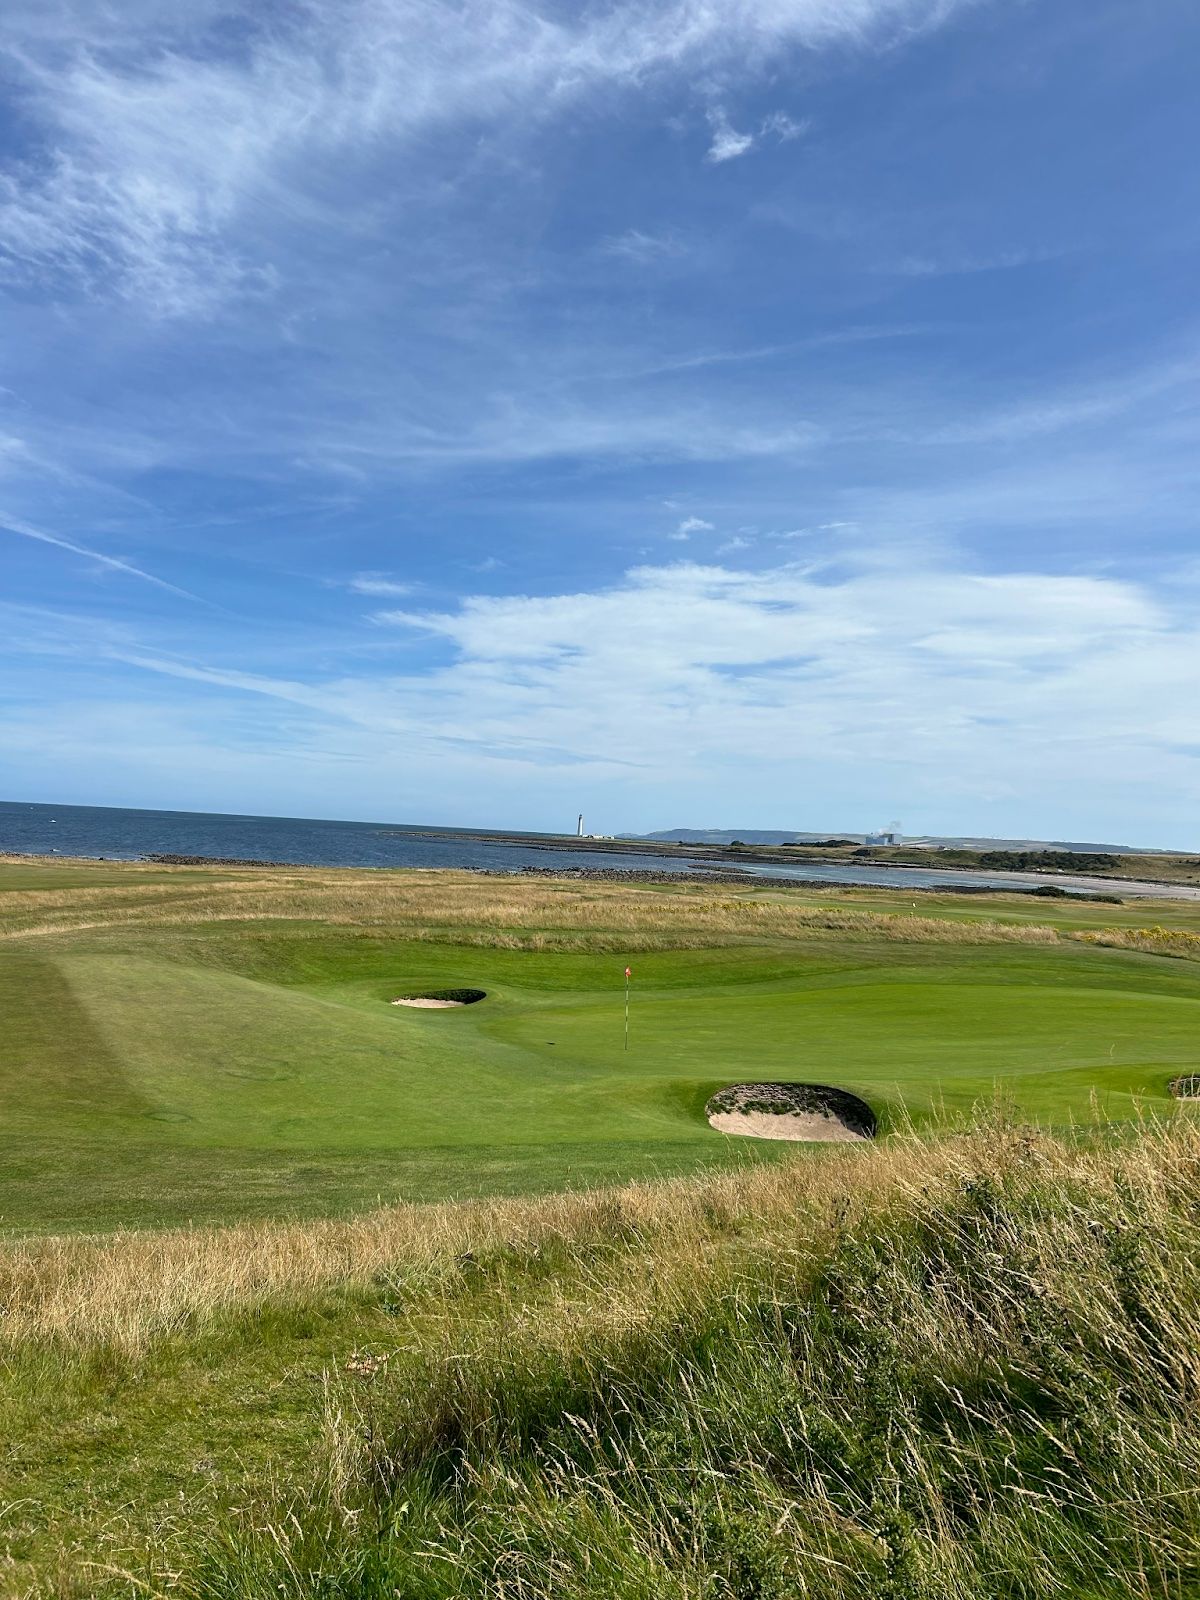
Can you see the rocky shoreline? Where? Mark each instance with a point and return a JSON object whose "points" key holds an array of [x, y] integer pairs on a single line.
{"points": [[590, 874], [766, 881], [164, 859], [699, 874]]}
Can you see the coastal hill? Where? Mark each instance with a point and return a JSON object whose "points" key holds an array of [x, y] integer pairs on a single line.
{"points": [[770, 836]]}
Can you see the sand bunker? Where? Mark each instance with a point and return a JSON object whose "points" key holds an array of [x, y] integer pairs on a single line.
{"points": [[441, 999], [803, 1111], [426, 1002]]}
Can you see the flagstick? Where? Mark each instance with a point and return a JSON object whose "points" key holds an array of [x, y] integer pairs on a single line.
{"points": [[627, 1008]]}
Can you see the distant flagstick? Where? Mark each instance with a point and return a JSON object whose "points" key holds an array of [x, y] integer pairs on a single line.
{"points": [[628, 975]]}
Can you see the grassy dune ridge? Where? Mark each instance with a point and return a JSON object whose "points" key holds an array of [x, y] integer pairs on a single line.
{"points": [[958, 1371], [951, 1367]]}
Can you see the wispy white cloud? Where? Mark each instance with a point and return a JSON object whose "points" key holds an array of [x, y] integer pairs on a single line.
{"points": [[951, 685], [23, 530], [155, 161], [545, 427], [375, 583], [688, 662], [754, 354], [642, 248], [784, 128], [689, 526], [951, 264], [727, 143]]}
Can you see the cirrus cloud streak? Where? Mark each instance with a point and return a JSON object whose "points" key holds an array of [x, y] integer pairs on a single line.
{"points": [[687, 674]]}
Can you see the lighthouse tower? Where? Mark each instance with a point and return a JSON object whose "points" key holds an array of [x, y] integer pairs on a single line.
{"points": [[579, 827]]}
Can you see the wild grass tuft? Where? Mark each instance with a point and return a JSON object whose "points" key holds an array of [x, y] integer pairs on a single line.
{"points": [[964, 1370]]}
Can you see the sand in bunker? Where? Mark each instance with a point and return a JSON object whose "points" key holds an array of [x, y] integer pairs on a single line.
{"points": [[806, 1112], [423, 1003], [807, 1125]]}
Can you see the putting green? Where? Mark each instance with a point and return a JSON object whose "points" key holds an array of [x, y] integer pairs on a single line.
{"points": [[214, 1071]]}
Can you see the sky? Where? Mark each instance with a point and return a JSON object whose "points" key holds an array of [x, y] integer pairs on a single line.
{"points": [[762, 413]]}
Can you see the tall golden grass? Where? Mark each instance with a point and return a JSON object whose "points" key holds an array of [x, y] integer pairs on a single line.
{"points": [[937, 1371], [126, 1289], [516, 912]]}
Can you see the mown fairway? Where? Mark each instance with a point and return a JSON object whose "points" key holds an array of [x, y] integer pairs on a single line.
{"points": [[193, 1044]]}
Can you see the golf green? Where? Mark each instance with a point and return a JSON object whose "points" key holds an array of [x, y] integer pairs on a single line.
{"points": [[206, 1072]]}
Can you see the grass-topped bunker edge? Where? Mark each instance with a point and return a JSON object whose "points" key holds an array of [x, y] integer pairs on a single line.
{"points": [[440, 999], [800, 1111]]}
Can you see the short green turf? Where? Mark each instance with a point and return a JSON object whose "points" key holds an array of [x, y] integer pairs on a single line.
{"points": [[208, 1072]]}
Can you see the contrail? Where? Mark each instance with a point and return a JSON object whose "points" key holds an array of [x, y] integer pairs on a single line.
{"points": [[8, 525]]}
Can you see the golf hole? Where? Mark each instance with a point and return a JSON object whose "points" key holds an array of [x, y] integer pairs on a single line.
{"points": [[440, 999], [812, 1112]]}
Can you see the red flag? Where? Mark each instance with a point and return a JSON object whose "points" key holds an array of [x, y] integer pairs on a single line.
{"points": [[629, 972]]}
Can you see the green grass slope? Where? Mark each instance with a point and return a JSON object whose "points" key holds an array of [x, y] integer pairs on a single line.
{"points": [[954, 1367], [204, 1070]]}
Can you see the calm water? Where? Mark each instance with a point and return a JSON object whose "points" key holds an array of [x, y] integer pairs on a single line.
{"points": [[124, 835]]}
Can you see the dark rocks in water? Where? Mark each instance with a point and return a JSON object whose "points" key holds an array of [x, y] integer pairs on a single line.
{"points": [[164, 859], [638, 875]]}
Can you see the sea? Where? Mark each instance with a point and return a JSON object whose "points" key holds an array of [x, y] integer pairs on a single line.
{"points": [[117, 834]]}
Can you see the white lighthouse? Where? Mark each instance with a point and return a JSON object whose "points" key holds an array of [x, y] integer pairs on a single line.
{"points": [[579, 827]]}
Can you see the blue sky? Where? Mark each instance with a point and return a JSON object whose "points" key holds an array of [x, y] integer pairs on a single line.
{"points": [[694, 412]]}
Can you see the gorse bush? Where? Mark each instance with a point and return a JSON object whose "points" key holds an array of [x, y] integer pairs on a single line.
{"points": [[982, 1385], [1156, 941], [1046, 860]]}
